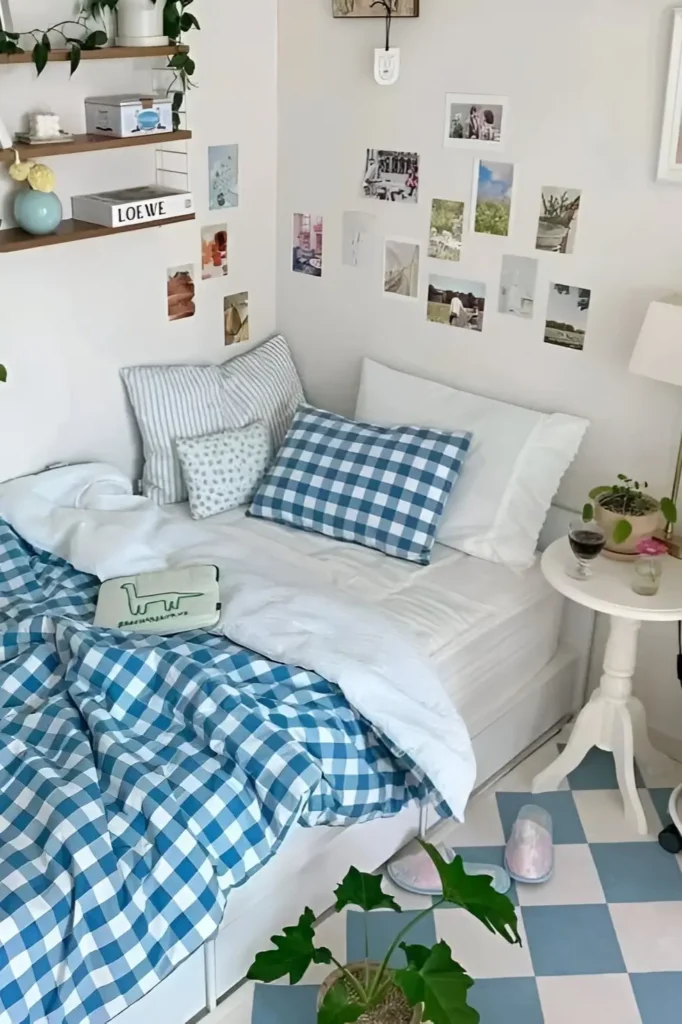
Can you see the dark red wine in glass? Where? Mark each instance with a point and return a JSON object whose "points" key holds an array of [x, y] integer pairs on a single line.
{"points": [[587, 541]]}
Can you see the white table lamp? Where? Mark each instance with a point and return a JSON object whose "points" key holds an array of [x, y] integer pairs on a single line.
{"points": [[658, 354]]}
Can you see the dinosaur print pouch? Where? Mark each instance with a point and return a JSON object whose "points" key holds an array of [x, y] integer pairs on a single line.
{"points": [[161, 602]]}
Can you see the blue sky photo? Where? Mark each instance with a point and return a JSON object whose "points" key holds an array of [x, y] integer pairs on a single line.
{"points": [[495, 181]]}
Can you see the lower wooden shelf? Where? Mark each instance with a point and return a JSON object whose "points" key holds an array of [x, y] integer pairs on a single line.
{"points": [[15, 240]]}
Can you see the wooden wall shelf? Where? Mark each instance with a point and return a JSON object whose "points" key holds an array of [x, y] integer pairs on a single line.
{"points": [[106, 53], [16, 240], [90, 144]]}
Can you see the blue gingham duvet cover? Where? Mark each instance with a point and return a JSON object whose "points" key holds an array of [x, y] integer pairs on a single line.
{"points": [[142, 778]]}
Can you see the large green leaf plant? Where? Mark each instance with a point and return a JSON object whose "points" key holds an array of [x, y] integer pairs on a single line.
{"points": [[430, 976]]}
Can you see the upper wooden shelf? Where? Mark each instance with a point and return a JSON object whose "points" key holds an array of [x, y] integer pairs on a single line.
{"points": [[106, 53], [16, 240], [90, 144]]}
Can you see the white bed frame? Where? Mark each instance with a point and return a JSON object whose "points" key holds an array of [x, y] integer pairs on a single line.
{"points": [[264, 905]]}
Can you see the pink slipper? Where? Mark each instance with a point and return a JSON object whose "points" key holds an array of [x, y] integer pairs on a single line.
{"points": [[415, 872], [530, 851]]}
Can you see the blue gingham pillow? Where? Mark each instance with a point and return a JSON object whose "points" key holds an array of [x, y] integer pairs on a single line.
{"points": [[382, 487]]}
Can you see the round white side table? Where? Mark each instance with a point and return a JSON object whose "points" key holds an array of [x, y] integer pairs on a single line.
{"points": [[613, 719]]}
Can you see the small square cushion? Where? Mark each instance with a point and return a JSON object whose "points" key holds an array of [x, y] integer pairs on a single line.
{"points": [[223, 471], [385, 489]]}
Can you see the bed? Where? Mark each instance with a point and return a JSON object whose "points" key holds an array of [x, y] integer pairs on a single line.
{"points": [[509, 655]]}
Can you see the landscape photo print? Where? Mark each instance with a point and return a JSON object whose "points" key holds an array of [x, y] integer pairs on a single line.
{"points": [[567, 314]]}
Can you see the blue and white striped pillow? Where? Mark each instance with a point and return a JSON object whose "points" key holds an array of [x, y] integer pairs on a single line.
{"points": [[385, 488]]}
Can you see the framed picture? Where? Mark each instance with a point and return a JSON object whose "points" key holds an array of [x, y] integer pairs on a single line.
{"points": [[670, 158], [476, 122], [5, 17], [364, 9]]}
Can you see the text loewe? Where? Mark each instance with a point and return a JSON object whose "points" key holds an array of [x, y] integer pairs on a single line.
{"points": [[143, 211]]}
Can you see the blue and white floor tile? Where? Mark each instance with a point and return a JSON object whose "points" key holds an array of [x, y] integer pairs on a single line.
{"points": [[602, 941]]}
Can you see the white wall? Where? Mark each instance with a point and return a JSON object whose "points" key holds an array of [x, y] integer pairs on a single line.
{"points": [[585, 81], [71, 315]]}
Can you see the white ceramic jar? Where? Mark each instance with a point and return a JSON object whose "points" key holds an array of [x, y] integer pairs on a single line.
{"points": [[140, 23]]}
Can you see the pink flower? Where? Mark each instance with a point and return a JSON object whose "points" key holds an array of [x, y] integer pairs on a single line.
{"points": [[650, 546]]}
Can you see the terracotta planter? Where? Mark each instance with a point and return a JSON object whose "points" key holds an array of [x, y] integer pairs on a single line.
{"points": [[358, 968], [140, 23], [642, 526]]}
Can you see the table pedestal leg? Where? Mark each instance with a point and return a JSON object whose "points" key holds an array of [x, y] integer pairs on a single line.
{"points": [[612, 720]]}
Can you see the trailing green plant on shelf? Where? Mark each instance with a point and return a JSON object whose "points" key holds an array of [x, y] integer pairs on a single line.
{"points": [[429, 979], [627, 499], [77, 34]]}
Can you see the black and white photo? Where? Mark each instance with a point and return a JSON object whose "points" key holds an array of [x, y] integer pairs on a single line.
{"points": [[475, 121], [567, 313], [392, 175]]}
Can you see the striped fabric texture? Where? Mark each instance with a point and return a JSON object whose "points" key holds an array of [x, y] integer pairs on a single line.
{"points": [[384, 488], [172, 402]]}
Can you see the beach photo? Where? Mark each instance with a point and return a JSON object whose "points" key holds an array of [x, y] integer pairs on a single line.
{"points": [[493, 192], [392, 175], [475, 121], [401, 268], [567, 314], [180, 292], [236, 318], [307, 244], [358, 230], [558, 219], [517, 286], [364, 9], [213, 251], [445, 236], [223, 177], [456, 302]]}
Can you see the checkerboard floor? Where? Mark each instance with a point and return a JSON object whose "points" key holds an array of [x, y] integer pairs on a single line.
{"points": [[602, 941]]}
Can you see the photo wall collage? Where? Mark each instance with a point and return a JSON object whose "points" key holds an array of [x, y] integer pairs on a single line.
{"points": [[181, 287], [478, 123]]}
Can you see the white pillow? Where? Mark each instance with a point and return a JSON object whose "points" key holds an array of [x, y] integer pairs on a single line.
{"points": [[191, 401], [515, 464], [223, 471]]}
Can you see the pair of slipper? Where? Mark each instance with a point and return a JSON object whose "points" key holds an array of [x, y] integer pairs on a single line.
{"points": [[529, 858]]}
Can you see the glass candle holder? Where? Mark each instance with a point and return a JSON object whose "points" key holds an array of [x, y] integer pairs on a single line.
{"points": [[646, 577]]}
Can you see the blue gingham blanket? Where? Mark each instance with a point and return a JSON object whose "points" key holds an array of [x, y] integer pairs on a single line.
{"points": [[142, 778]]}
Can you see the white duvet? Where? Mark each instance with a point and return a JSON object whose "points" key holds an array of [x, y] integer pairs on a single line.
{"points": [[290, 613]]}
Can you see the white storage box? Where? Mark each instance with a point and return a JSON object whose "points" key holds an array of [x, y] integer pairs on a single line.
{"points": [[130, 206], [126, 116]]}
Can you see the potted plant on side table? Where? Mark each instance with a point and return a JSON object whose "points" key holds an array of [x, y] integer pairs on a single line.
{"points": [[431, 986], [628, 514]]}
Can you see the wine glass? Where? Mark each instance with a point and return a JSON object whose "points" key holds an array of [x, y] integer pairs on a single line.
{"points": [[587, 541]]}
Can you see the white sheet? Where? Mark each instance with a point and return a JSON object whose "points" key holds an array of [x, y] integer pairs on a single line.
{"points": [[287, 608]]}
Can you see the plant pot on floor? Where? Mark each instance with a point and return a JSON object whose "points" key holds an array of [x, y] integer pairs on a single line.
{"points": [[394, 1010], [140, 23], [642, 526]]}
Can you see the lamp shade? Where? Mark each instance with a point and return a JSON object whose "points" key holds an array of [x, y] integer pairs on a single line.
{"points": [[658, 352]]}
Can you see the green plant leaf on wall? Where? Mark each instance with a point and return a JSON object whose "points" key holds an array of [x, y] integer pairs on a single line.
{"points": [[3, 374], [476, 894], [337, 1007], [75, 57], [294, 954], [669, 510], [433, 978], [622, 531], [364, 891], [588, 512], [41, 53]]}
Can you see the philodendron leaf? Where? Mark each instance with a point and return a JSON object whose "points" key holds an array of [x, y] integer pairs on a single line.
{"points": [[294, 954], [433, 978], [476, 894], [3, 374], [669, 510], [621, 531], [596, 491], [588, 512], [40, 57], [364, 891], [337, 1008]]}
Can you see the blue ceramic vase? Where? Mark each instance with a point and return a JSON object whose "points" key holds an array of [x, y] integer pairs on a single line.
{"points": [[38, 213]]}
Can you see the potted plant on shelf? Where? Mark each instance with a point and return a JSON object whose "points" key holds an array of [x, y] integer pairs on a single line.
{"points": [[431, 986], [628, 514]]}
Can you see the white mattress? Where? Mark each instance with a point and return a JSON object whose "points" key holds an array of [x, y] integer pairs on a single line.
{"points": [[486, 629]]}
